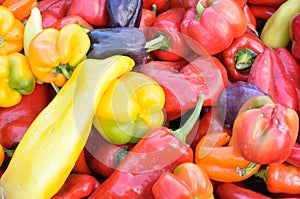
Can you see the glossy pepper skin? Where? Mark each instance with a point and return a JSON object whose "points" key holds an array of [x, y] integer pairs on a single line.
{"points": [[281, 178], [221, 161], [55, 130], [240, 55], [159, 5], [21, 9], [66, 48], [228, 22], [262, 11], [159, 151], [124, 13], [263, 128], [16, 79], [11, 32], [187, 181]]}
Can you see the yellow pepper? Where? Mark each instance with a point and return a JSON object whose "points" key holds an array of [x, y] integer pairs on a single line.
{"points": [[53, 54], [16, 79], [132, 105], [11, 32], [49, 149]]}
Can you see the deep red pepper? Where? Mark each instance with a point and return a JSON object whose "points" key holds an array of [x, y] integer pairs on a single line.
{"points": [[44, 4], [240, 55], [274, 3], [15, 120], [71, 19], [295, 36], [159, 5], [77, 186], [81, 165], [148, 16], [59, 9], [262, 11], [158, 152], [294, 157], [251, 20], [175, 4]]}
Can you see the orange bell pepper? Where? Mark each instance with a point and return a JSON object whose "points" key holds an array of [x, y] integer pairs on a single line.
{"points": [[20, 8], [11, 32], [220, 161]]}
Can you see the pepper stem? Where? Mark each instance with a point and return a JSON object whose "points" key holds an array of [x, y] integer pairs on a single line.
{"points": [[263, 174], [182, 132], [121, 154], [154, 9], [244, 59], [160, 41], [199, 9], [245, 171]]}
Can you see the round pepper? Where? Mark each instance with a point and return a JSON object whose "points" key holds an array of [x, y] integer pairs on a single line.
{"points": [[132, 105]]}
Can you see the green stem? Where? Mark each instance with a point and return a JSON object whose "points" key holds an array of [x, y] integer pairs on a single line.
{"points": [[2, 42], [154, 9], [199, 9], [63, 69], [245, 171], [263, 174], [56, 88], [160, 41], [182, 132], [121, 154], [244, 59]]}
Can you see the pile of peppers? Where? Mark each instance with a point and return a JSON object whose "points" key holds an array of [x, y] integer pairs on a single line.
{"points": [[149, 99]]}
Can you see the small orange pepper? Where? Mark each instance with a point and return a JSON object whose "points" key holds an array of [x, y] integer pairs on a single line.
{"points": [[20, 8]]}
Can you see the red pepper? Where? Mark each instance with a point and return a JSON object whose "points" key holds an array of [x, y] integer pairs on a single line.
{"points": [[295, 36], [268, 73], [230, 190], [20, 8], [58, 9], [251, 20], [148, 16], [274, 3], [71, 19], [294, 157], [281, 178], [175, 4], [158, 152], [48, 19], [81, 165], [44, 4], [93, 11], [15, 120], [212, 25], [77, 186], [240, 55], [159, 5], [262, 11]]}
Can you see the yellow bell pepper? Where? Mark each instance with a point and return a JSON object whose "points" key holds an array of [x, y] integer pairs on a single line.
{"points": [[16, 79], [49, 149], [132, 105], [53, 54], [11, 32]]}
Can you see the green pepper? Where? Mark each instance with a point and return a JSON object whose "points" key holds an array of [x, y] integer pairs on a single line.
{"points": [[132, 105]]}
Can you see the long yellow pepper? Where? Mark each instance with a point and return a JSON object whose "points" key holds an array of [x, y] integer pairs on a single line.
{"points": [[49, 149]]}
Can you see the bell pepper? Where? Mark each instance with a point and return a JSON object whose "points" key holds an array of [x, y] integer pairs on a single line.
{"points": [[15, 120], [269, 74], [212, 25], [93, 11], [187, 181], [160, 150], [263, 128], [240, 55], [21, 9], [159, 5], [77, 186], [16, 79], [295, 36], [11, 32], [294, 157], [66, 48], [60, 23], [140, 110], [276, 31], [281, 178], [57, 136], [262, 11], [220, 161], [274, 3]]}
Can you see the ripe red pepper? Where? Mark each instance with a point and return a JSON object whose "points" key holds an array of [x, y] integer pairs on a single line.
{"points": [[44, 4], [250, 18], [158, 152], [81, 165], [262, 11], [295, 36], [294, 157], [175, 4], [212, 25], [58, 9], [240, 55], [268, 73], [71, 19], [48, 19], [93, 11], [15, 120], [274, 3], [148, 16], [159, 5], [77, 186]]}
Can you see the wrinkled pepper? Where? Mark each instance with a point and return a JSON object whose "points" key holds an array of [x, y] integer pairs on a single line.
{"points": [[53, 54], [263, 128], [160, 150], [240, 55], [140, 110], [21, 9], [295, 36], [60, 129], [276, 31], [187, 181], [11, 32], [281, 178], [16, 79], [221, 161]]}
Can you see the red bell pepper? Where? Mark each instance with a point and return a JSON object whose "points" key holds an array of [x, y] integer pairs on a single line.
{"points": [[212, 25], [158, 152], [15, 120], [77, 186], [71, 19], [295, 36], [159, 5], [262, 11], [268, 73], [263, 128], [240, 55], [187, 181], [294, 157], [274, 3], [93, 11]]}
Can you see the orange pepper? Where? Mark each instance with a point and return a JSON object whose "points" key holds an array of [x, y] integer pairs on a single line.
{"points": [[2, 154], [220, 161], [20, 8]]}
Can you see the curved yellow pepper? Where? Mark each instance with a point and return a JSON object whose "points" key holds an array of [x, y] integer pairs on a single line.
{"points": [[132, 105], [53, 54], [16, 79], [11, 32]]}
